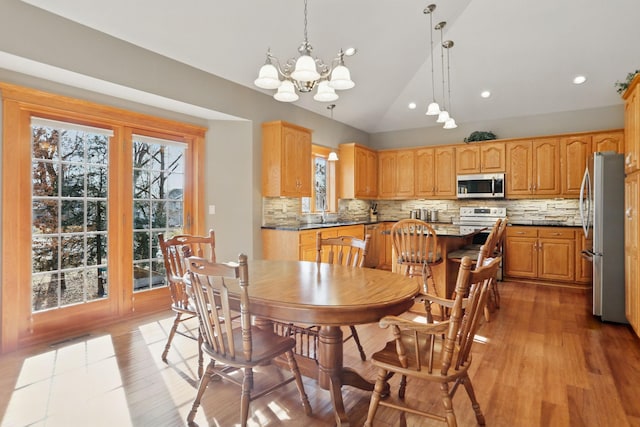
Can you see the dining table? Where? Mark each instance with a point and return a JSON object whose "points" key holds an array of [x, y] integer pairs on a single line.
{"points": [[328, 296]]}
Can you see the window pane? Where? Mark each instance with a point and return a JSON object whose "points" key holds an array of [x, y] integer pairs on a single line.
{"points": [[158, 173], [67, 167]]}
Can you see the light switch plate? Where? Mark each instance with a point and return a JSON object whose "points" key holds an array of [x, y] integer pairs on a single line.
{"points": [[212, 209]]}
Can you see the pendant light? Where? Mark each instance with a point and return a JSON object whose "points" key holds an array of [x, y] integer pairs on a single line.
{"points": [[444, 115], [450, 123], [333, 156], [433, 109]]}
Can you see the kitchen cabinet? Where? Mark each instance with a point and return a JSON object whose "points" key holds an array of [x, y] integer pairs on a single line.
{"points": [[396, 174], [540, 253], [632, 126], [376, 245], [631, 250], [484, 157], [286, 160], [584, 267], [358, 172], [301, 245], [575, 153], [533, 168], [608, 141], [435, 172]]}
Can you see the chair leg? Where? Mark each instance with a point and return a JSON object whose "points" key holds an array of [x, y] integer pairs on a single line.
{"points": [[376, 395], [204, 381], [474, 402], [172, 333], [200, 355], [450, 416], [245, 396], [403, 387], [293, 366], [356, 338]]}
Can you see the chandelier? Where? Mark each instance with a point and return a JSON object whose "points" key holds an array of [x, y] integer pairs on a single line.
{"points": [[305, 73]]}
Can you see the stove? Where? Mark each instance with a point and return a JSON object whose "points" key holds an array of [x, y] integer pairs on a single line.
{"points": [[476, 218]]}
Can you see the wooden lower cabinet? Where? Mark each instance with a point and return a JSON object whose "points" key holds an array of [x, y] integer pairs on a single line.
{"points": [[301, 245], [544, 253], [631, 250]]}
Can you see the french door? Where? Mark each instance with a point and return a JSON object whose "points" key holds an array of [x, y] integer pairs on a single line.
{"points": [[85, 194]]}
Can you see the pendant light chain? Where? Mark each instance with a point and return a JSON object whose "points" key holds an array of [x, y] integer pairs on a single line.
{"points": [[433, 82], [306, 39], [442, 61], [449, 75]]}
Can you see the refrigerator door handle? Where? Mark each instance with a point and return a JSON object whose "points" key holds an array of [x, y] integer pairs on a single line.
{"points": [[585, 199]]}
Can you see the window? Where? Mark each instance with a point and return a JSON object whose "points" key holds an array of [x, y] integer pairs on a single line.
{"points": [[323, 192]]}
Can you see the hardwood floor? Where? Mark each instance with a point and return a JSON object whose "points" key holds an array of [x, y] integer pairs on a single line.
{"points": [[543, 360]]}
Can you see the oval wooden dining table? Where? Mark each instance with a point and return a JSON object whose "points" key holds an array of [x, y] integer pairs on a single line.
{"points": [[328, 296]]}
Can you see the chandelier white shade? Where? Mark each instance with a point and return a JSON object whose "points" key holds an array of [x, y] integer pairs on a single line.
{"points": [[304, 73], [443, 116], [450, 123], [433, 109]]}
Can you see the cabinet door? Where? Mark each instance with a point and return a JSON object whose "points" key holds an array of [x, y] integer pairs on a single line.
{"points": [[584, 267], [546, 166], [445, 172], [556, 259], [405, 165], [575, 152], [519, 164], [468, 159], [521, 258], [387, 174], [492, 157], [296, 163], [609, 141], [631, 133], [376, 244], [371, 174], [424, 172], [388, 247], [632, 255], [360, 172]]}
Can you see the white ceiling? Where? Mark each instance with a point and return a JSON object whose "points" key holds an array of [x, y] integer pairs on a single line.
{"points": [[525, 52]]}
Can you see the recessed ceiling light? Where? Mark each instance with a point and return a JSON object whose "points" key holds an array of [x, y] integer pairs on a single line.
{"points": [[412, 105], [578, 80], [485, 94]]}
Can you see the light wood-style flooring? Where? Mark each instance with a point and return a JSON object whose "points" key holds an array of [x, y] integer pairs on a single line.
{"points": [[543, 360]]}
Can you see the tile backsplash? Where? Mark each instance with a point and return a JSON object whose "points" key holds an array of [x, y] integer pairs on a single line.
{"points": [[286, 211]]}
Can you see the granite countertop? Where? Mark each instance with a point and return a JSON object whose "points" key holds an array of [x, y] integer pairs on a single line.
{"points": [[544, 223], [313, 226]]}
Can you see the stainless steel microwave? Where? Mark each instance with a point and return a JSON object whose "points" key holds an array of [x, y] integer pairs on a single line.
{"points": [[481, 186]]}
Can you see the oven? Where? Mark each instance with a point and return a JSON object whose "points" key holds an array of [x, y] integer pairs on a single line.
{"points": [[474, 218]]}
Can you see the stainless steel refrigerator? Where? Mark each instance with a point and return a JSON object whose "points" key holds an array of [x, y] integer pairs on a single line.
{"points": [[602, 208]]}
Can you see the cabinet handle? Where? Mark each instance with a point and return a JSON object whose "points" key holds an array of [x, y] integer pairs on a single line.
{"points": [[628, 213], [556, 234], [627, 159], [519, 232]]}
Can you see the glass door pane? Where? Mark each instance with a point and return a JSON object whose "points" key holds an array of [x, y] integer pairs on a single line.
{"points": [[158, 205], [69, 169]]}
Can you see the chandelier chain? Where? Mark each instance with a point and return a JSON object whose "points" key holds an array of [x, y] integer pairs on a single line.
{"points": [[433, 84], [449, 76], [306, 39], [442, 61]]}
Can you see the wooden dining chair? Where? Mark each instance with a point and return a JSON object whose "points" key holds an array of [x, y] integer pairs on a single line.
{"points": [[229, 346], [173, 255], [416, 248], [344, 250], [419, 352]]}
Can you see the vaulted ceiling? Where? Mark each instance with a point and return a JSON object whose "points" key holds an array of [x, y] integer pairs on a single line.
{"points": [[526, 53]]}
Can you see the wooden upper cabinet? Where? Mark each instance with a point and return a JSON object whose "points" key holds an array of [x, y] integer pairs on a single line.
{"points": [[435, 172], [467, 159], [396, 174], [424, 172], [387, 166], [492, 157], [358, 172], [519, 168], [632, 126], [482, 157], [286, 160], [608, 141], [533, 168], [546, 167], [575, 153], [445, 172]]}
